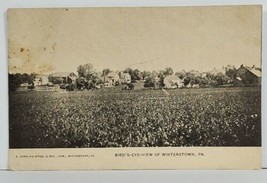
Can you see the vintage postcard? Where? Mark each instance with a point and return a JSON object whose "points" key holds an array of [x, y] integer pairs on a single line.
{"points": [[135, 88]]}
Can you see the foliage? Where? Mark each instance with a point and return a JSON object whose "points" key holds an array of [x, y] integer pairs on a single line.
{"points": [[106, 71], [231, 72], [150, 82], [145, 74], [55, 80], [130, 86], [86, 71], [81, 83], [217, 79], [221, 78], [70, 87], [181, 74], [168, 71], [15, 80], [134, 73]]}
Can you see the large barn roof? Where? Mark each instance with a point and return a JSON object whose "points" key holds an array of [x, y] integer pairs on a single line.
{"points": [[253, 70]]}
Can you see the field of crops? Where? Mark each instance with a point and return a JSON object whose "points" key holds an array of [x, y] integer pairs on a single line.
{"points": [[122, 118]]}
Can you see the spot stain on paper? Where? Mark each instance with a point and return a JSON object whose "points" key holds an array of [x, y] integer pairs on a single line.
{"points": [[21, 59]]}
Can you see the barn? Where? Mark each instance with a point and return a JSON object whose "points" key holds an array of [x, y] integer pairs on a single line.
{"points": [[172, 81], [247, 76]]}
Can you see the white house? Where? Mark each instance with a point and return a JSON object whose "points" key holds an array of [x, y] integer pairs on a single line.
{"points": [[125, 78], [172, 81], [111, 78]]}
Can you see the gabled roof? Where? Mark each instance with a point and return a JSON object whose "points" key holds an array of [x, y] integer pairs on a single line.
{"points": [[124, 75], [171, 78], [72, 77], [112, 74], [253, 70]]}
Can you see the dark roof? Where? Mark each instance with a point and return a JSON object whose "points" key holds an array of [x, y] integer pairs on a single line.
{"points": [[253, 70]]}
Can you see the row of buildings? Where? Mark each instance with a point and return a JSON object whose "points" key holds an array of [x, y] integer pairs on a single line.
{"points": [[110, 79], [244, 76]]}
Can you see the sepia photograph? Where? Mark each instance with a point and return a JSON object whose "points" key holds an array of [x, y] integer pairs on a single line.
{"points": [[135, 77]]}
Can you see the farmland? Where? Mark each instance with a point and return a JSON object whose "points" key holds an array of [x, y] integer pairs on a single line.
{"points": [[136, 118]]}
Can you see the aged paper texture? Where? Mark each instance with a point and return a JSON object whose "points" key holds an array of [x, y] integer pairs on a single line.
{"points": [[135, 88]]}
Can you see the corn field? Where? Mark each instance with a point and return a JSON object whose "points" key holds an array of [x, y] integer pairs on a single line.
{"points": [[135, 118]]}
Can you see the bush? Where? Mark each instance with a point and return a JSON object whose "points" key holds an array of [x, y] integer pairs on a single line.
{"points": [[70, 87], [130, 86]]}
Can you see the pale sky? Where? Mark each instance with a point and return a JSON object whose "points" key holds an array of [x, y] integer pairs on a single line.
{"points": [[200, 38]]}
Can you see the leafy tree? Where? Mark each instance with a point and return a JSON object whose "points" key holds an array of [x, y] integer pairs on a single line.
{"points": [[221, 78], [217, 79], [31, 77], [231, 72], [81, 83], [135, 74], [128, 70], [160, 76], [187, 80], [55, 80], [149, 82], [181, 74], [86, 71], [168, 71], [16, 79], [106, 71], [13, 82], [145, 74]]}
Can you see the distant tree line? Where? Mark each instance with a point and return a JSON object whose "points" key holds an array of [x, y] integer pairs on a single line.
{"points": [[156, 78], [15, 80], [89, 77]]}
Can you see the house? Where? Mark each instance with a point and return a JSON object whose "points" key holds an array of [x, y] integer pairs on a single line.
{"points": [[63, 77], [41, 80], [172, 81], [247, 76], [125, 78], [111, 78]]}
